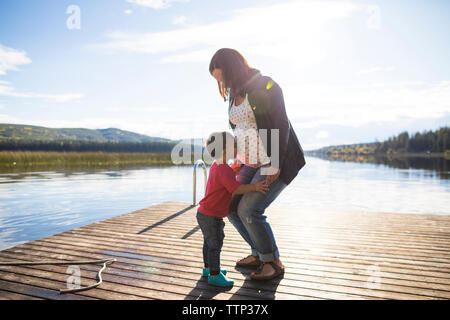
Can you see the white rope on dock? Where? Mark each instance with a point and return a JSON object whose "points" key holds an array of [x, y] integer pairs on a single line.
{"points": [[56, 263]]}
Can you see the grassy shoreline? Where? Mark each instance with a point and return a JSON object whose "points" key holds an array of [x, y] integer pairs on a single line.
{"points": [[29, 159], [16, 161]]}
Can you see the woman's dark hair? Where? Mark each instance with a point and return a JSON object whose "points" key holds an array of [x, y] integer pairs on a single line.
{"points": [[235, 71]]}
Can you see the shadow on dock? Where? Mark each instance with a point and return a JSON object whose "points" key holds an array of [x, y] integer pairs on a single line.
{"points": [[204, 291], [190, 233], [173, 216], [265, 290]]}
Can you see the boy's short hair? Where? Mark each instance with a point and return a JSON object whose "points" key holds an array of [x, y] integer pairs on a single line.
{"points": [[218, 141]]}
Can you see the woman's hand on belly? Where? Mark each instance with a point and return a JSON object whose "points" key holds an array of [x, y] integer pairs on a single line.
{"points": [[272, 174]]}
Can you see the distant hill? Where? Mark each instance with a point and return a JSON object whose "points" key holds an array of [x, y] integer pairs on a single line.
{"points": [[27, 132], [342, 148], [437, 141]]}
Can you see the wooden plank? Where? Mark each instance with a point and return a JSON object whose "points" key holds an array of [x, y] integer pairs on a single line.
{"points": [[197, 257], [21, 287], [299, 243], [134, 228], [338, 221], [137, 280], [6, 295], [362, 290], [168, 247], [360, 229], [307, 244], [259, 290], [128, 240], [192, 244], [327, 255], [413, 265], [303, 245]]}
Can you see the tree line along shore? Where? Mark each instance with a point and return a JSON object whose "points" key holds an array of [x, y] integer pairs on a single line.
{"points": [[430, 143]]}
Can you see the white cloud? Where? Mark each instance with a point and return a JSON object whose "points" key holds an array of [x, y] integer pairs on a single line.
{"points": [[193, 56], [376, 69], [9, 91], [322, 134], [4, 118], [11, 58], [312, 106], [291, 31], [179, 20], [155, 4], [374, 17], [128, 11]]}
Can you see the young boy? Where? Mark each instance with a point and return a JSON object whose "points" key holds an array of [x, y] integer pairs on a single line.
{"points": [[221, 186]]}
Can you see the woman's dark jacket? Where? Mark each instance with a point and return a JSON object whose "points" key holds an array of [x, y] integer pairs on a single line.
{"points": [[267, 102]]}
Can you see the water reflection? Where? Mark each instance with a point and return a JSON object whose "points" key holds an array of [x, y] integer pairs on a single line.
{"points": [[18, 173], [438, 164]]}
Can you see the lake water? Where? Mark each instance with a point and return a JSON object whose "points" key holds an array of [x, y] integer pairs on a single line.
{"points": [[38, 204]]}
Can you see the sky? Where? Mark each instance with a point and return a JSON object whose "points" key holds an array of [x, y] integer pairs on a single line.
{"points": [[350, 71]]}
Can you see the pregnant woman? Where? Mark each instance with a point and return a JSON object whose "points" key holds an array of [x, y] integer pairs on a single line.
{"points": [[255, 103]]}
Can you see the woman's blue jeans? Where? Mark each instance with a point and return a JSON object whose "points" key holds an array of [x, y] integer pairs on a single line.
{"points": [[247, 214]]}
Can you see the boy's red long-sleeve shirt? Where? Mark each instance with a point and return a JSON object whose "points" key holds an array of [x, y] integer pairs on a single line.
{"points": [[219, 191]]}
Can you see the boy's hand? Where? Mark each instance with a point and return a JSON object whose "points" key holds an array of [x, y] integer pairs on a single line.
{"points": [[261, 186], [236, 167]]}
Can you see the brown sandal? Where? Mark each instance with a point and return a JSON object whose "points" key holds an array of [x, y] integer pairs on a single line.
{"points": [[254, 264], [278, 271]]}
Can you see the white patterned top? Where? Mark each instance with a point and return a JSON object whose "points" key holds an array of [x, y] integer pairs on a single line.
{"points": [[250, 149]]}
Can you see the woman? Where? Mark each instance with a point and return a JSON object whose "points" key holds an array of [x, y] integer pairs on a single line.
{"points": [[255, 103]]}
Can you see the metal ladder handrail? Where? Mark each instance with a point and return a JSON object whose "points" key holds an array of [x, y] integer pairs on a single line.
{"points": [[202, 163]]}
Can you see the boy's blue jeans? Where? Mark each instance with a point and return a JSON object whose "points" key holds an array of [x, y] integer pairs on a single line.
{"points": [[213, 235], [247, 214]]}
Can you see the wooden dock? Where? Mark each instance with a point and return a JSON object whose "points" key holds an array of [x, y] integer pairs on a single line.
{"points": [[328, 255]]}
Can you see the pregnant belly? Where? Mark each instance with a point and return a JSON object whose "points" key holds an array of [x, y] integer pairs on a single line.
{"points": [[250, 149]]}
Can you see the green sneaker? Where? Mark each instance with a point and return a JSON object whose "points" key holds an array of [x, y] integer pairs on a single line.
{"points": [[206, 272], [220, 281]]}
